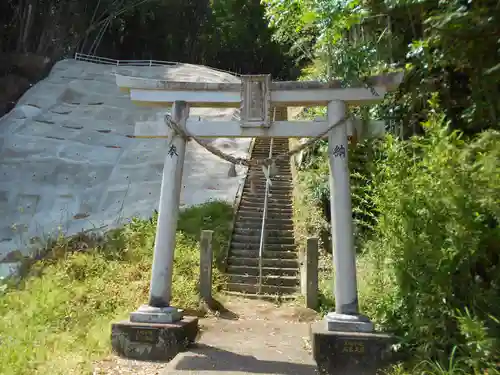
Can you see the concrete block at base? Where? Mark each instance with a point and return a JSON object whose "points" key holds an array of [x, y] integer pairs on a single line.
{"points": [[153, 341], [349, 353]]}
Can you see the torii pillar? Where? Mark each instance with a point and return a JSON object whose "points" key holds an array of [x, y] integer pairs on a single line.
{"points": [[344, 331]]}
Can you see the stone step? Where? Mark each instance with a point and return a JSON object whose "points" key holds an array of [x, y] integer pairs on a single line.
{"points": [[271, 207], [264, 148], [282, 166], [280, 180], [284, 233], [271, 213], [254, 271], [246, 239], [285, 192], [276, 140], [276, 198], [261, 181], [265, 155], [271, 199], [272, 217], [280, 173], [274, 182], [266, 254], [284, 197], [283, 180], [263, 297], [260, 205], [256, 199], [276, 194], [280, 263], [266, 262], [267, 142], [249, 212], [269, 247], [256, 213], [266, 289], [259, 194], [258, 155], [256, 225], [274, 188], [287, 281], [283, 223], [281, 176]]}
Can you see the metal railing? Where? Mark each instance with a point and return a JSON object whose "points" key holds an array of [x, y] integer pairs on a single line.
{"points": [[150, 63], [108, 61], [264, 217]]}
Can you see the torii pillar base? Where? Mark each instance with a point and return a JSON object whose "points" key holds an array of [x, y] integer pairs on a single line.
{"points": [[153, 341], [353, 353]]}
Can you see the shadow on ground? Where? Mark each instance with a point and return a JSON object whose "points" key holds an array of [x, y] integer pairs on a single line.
{"points": [[214, 308], [209, 358], [218, 309]]}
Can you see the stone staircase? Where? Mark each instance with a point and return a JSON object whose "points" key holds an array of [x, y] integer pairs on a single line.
{"points": [[280, 267]]}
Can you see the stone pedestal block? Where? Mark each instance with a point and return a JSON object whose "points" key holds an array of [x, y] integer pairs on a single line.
{"points": [[352, 353], [153, 341]]}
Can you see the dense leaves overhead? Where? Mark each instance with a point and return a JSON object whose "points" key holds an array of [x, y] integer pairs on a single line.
{"points": [[225, 34], [450, 47]]}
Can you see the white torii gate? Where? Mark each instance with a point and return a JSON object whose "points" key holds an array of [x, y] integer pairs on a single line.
{"points": [[255, 97]]}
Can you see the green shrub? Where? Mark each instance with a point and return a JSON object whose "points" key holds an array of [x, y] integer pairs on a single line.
{"points": [[56, 319], [436, 248]]}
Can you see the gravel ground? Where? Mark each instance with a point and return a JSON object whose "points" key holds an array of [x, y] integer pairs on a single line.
{"points": [[253, 337]]}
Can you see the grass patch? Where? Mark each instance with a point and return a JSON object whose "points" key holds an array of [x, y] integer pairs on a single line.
{"points": [[56, 318]]}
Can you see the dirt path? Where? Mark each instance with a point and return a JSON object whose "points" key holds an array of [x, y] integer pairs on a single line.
{"points": [[254, 337]]}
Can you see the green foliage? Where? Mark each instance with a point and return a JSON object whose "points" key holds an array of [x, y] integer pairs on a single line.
{"points": [[293, 24], [334, 38], [456, 59], [55, 320], [436, 280], [314, 177], [213, 216], [449, 47], [361, 166]]}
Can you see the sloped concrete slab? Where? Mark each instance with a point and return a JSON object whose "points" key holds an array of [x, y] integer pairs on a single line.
{"points": [[66, 163]]}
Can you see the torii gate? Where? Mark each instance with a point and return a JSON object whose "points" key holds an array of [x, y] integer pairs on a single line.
{"points": [[255, 97]]}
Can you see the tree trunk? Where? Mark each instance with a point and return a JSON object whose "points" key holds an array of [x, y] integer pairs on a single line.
{"points": [[22, 19]]}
